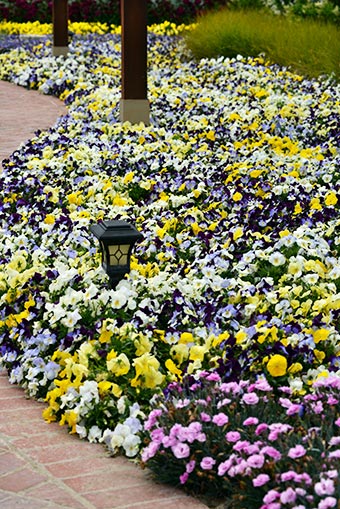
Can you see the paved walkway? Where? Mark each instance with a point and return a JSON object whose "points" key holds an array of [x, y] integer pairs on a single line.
{"points": [[22, 113], [41, 465]]}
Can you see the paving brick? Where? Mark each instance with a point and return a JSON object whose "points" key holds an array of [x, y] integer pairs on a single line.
{"points": [[29, 441], [10, 462], [20, 480], [50, 492], [7, 394], [51, 454], [104, 480], [15, 502], [123, 496], [78, 467], [11, 428], [176, 502]]}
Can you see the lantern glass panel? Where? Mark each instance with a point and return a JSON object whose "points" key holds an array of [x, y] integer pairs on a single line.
{"points": [[119, 255]]}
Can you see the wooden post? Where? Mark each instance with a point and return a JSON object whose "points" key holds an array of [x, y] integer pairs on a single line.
{"points": [[134, 105], [60, 27]]}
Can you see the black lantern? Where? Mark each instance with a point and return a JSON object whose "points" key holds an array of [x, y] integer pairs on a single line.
{"points": [[116, 239]]}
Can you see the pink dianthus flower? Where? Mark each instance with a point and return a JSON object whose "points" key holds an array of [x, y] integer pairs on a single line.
{"points": [[260, 480], [296, 452], [207, 463], [220, 419], [180, 450]]}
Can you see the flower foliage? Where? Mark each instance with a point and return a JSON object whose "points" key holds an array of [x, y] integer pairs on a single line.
{"points": [[235, 188]]}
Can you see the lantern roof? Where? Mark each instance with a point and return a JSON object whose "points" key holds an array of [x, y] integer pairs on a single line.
{"points": [[116, 232]]}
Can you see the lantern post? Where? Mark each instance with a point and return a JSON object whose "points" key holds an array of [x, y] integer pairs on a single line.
{"points": [[60, 27], [134, 105]]}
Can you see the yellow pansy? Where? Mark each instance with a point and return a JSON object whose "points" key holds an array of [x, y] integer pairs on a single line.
{"points": [[277, 365], [18, 262], [195, 228], [75, 198], [29, 303], [172, 368], [331, 199], [234, 116], [197, 352], [237, 233], [295, 368], [320, 335], [180, 352], [222, 337], [49, 219], [105, 336], [315, 204], [119, 365], [284, 233], [51, 398], [186, 337], [237, 196], [240, 337], [159, 334], [164, 197], [142, 345], [210, 135], [256, 173], [160, 232], [319, 355], [297, 209], [79, 371], [49, 415], [111, 355], [194, 366], [128, 177], [213, 226], [70, 417], [119, 201], [106, 387], [147, 372]]}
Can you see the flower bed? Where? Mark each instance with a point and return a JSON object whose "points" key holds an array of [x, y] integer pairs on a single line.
{"points": [[235, 188]]}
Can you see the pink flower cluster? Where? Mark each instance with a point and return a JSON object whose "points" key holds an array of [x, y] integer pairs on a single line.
{"points": [[241, 433]]}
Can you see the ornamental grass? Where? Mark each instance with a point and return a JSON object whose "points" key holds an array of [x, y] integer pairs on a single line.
{"points": [[217, 357], [308, 46]]}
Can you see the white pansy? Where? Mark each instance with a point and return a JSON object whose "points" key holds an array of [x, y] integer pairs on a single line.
{"points": [[71, 318], [311, 279], [54, 313], [131, 445], [277, 259], [118, 299], [94, 434]]}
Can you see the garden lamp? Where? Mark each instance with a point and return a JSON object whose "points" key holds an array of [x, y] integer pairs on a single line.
{"points": [[116, 239]]}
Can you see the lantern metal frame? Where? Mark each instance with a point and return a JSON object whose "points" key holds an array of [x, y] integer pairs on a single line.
{"points": [[116, 240]]}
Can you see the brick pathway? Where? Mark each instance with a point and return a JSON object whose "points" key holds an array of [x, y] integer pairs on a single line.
{"points": [[41, 465], [22, 112]]}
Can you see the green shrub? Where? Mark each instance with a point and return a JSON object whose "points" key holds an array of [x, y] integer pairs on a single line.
{"points": [[327, 10], [308, 46]]}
